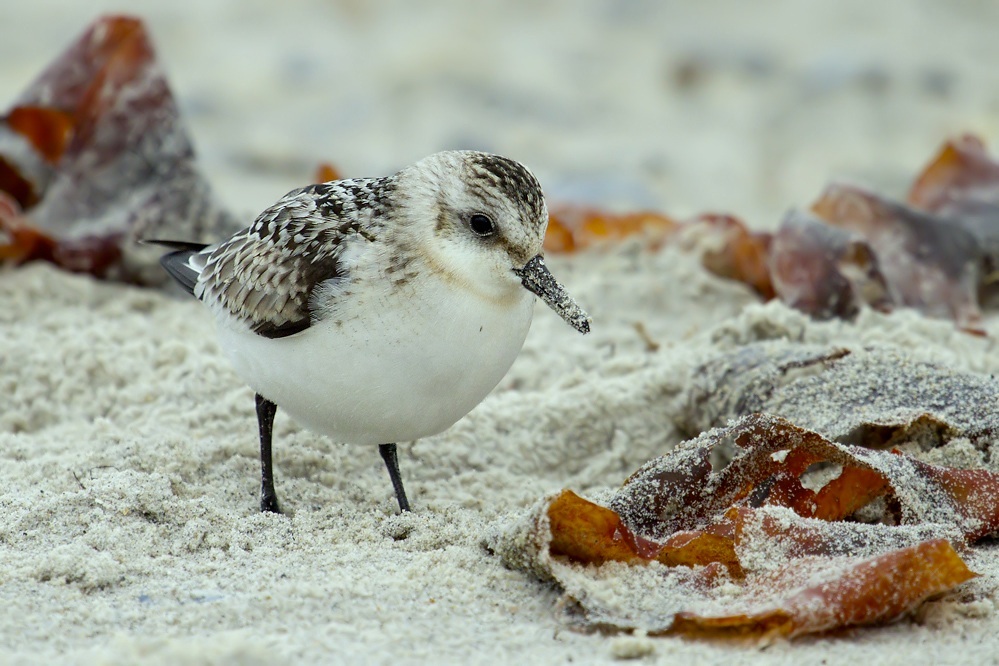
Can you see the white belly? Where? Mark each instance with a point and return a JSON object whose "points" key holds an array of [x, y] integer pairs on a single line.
{"points": [[391, 370]]}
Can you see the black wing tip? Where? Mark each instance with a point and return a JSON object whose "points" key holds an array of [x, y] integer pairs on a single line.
{"points": [[269, 330], [176, 263], [174, 245]]}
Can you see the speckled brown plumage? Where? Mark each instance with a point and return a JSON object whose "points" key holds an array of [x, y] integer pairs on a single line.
{"points": [[266, 274]]}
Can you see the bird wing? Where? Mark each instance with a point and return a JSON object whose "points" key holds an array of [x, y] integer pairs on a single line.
{"points": [[265, 275], [183, 263]]}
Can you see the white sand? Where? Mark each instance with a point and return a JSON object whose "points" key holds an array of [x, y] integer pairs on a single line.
{"points": [[128, 460]]}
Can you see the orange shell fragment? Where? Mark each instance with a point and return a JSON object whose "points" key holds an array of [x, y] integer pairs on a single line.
{"points": [[929, 263], [714, 545], [18, 240], [95, 156], [739, 254], [587, 532], [875, 590], [798, 564], [48, 130], [825, 271], [572, 228], [961, 167], [326, 172]]}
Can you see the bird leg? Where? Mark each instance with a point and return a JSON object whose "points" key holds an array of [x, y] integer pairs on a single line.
{"points": [[392, 462], [265, 421]]}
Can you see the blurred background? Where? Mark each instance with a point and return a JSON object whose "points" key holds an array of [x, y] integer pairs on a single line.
{"points": [[719, 105]]}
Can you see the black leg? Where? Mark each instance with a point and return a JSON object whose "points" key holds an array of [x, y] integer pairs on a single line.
{"points": [[265, 420], [392, 462]]}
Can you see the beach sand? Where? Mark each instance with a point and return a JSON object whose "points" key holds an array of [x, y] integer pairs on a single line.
{"points": [[129, 530]]}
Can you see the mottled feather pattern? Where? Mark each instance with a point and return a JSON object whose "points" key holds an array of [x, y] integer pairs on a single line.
{"points": [[265, 275]]}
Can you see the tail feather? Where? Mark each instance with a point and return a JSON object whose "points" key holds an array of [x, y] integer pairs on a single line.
{"points": [[179, 263]]}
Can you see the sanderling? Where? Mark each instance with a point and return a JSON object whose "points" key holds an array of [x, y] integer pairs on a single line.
{"points": [[380, 310]]}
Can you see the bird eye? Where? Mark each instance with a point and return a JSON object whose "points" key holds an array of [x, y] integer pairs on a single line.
{"points": [[481, 225]]}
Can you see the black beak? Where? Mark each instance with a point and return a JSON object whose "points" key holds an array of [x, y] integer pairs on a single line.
{"points": [[537, 279]]}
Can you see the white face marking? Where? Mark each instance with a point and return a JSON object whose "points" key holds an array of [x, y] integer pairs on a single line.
{"points": [[441, 195]]}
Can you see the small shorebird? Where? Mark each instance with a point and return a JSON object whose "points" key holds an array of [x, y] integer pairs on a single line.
{"points": [[380, 310]]}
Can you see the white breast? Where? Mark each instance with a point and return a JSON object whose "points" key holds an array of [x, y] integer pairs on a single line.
{"points": [[392, 367]]}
